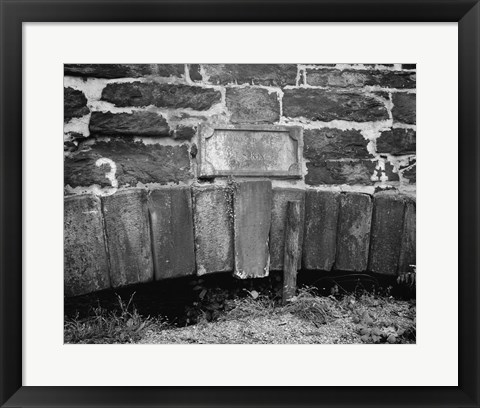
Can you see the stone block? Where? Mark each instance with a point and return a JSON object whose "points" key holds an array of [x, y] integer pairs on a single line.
{"points": [[326, 143], [410, 174], [404, 108], [184, 132], [252, 105], [194, 72], [85, 256], [281, 196], [128, 237], [356, 171], [408, 248], [213, 219], [360, 78], [321, 219], [135, 162], [160, 95], [252, 74], [148, 124], [252, 217], [328, 105], [386, 235], [171, 222], [397, 141], [353, 234], [74, 104], [124, 70]]}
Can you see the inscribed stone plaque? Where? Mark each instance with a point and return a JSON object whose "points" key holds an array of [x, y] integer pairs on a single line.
{"points": [[273, 151]]}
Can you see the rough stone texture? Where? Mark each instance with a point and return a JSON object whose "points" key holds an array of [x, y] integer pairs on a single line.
{"points": [[252, 216], [74, 104], [397, 141], [404, 108], [340, 172], [194, 72], [353, 234], [359, 78], [253, 74], [160, 95], [135, 162], [124, 70], [147, 124], [325, 105], [386, 235], [320, 144], [409, 170], [408, 248], [281, 196], [389, 172], [85, 255], [411, 174], [171, 222], [409, 66], [252, 105], [128, 237], [213, 217], [184, 133], [321, 218]]}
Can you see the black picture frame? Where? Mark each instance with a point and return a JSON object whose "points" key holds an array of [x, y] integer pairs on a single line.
{"points": [[15, 12]]}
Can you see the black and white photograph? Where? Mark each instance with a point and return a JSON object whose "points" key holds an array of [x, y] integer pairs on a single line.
{"points": [[240, 203]]}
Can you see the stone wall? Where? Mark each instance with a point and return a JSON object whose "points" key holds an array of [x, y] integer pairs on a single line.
{"points": [[131, 131]]}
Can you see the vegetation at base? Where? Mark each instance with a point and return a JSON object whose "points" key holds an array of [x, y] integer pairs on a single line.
{"points": [[121, 325], [332, 310]]}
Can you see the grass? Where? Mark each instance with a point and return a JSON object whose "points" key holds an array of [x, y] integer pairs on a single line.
{"points": [[122, 325], [244, 312], [307, 319]]}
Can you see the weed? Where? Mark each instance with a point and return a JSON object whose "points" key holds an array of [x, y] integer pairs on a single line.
{"points": [[125, 325], [408, 278]]}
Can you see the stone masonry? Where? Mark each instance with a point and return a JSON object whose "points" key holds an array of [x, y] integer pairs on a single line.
{"points": [[131, 146]]}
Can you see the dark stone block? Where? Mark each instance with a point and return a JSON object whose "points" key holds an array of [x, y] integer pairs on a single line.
{"points": [[253, 74], [252, 105], [411, 174], [171, 221], [320, 144], [321, 218], [252, 209], [359, 78], [194, 71], [353, 234], [408, 248], [213, 218], [340, 172], [387, 228], [325, 105], [74, 104], [404, 108], [409, 171], [281, 196], [85, 255], [397, 141], [409, 66], [128, 237], [124, 70], [135, 162], [389, 172], [184, 132], [147, 124], [160, 95]]}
